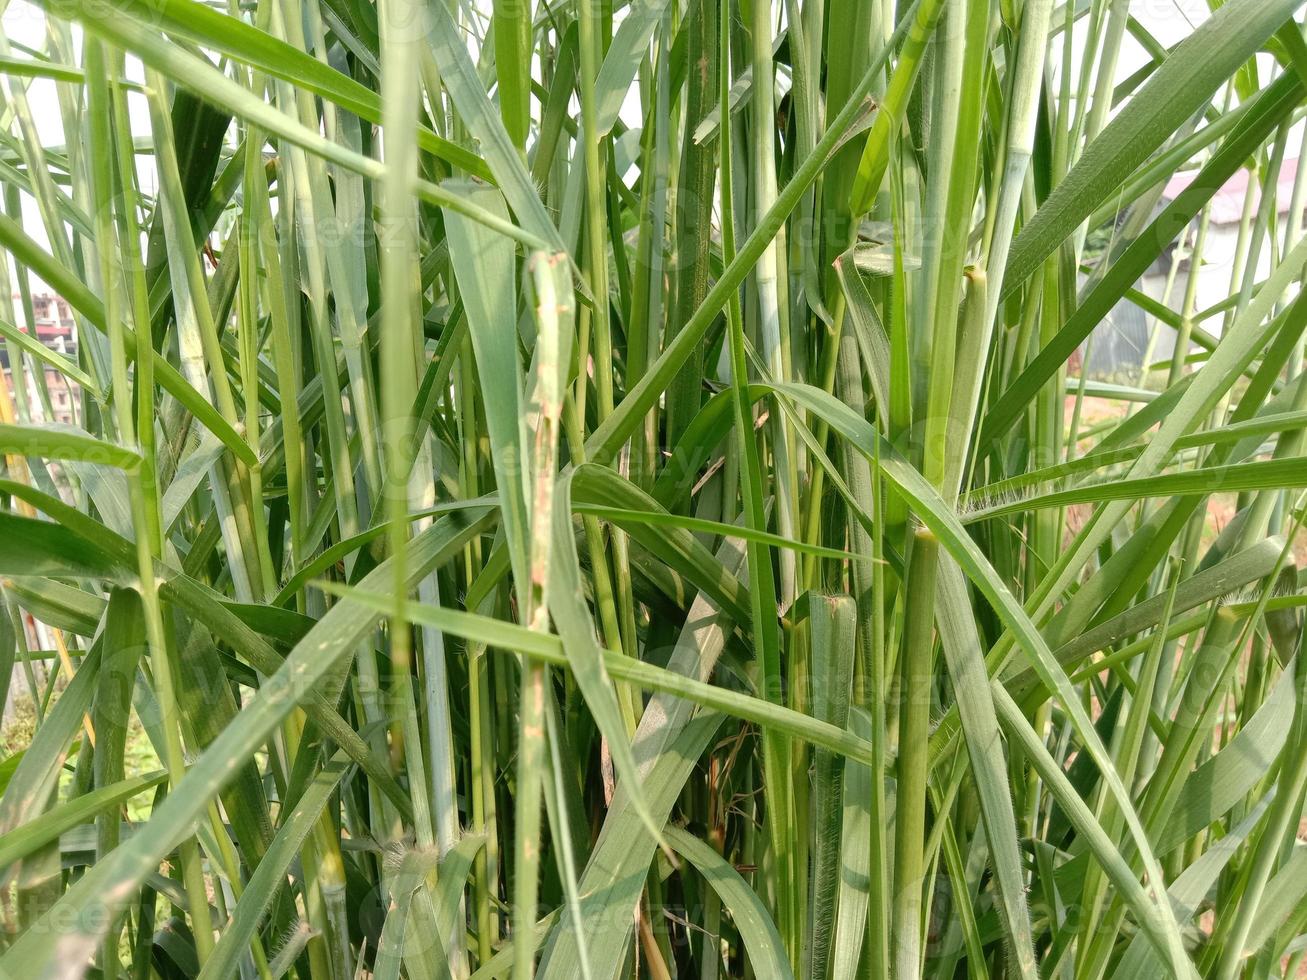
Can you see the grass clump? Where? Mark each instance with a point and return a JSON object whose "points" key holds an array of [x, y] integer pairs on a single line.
{"points": [[587, 489]]}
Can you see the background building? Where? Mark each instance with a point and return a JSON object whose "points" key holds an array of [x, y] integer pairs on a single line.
{"points": [[55, 329]]}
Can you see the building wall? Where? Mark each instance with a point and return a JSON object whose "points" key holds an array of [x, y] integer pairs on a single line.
{"points": [[56, 329]]}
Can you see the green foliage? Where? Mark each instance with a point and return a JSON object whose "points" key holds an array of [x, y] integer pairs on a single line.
{"points": [[589, 489]]}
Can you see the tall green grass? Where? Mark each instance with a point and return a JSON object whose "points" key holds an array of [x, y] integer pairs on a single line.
{"points": [[596, 489]]}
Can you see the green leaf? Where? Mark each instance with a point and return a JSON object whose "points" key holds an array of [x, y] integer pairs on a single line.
{"points": [[84, 301], [831, 632], [758, 933], [1271, 107], [486, 126], [1184, 83], [261, 889], [50, 443], [966, 665], [1211, 790], [109, 884], [26, 839], [551, 649], [1271, 474], [42, 548], [938, 517]]}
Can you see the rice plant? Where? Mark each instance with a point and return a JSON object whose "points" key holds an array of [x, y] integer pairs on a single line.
{"points": [[585, 489]]}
